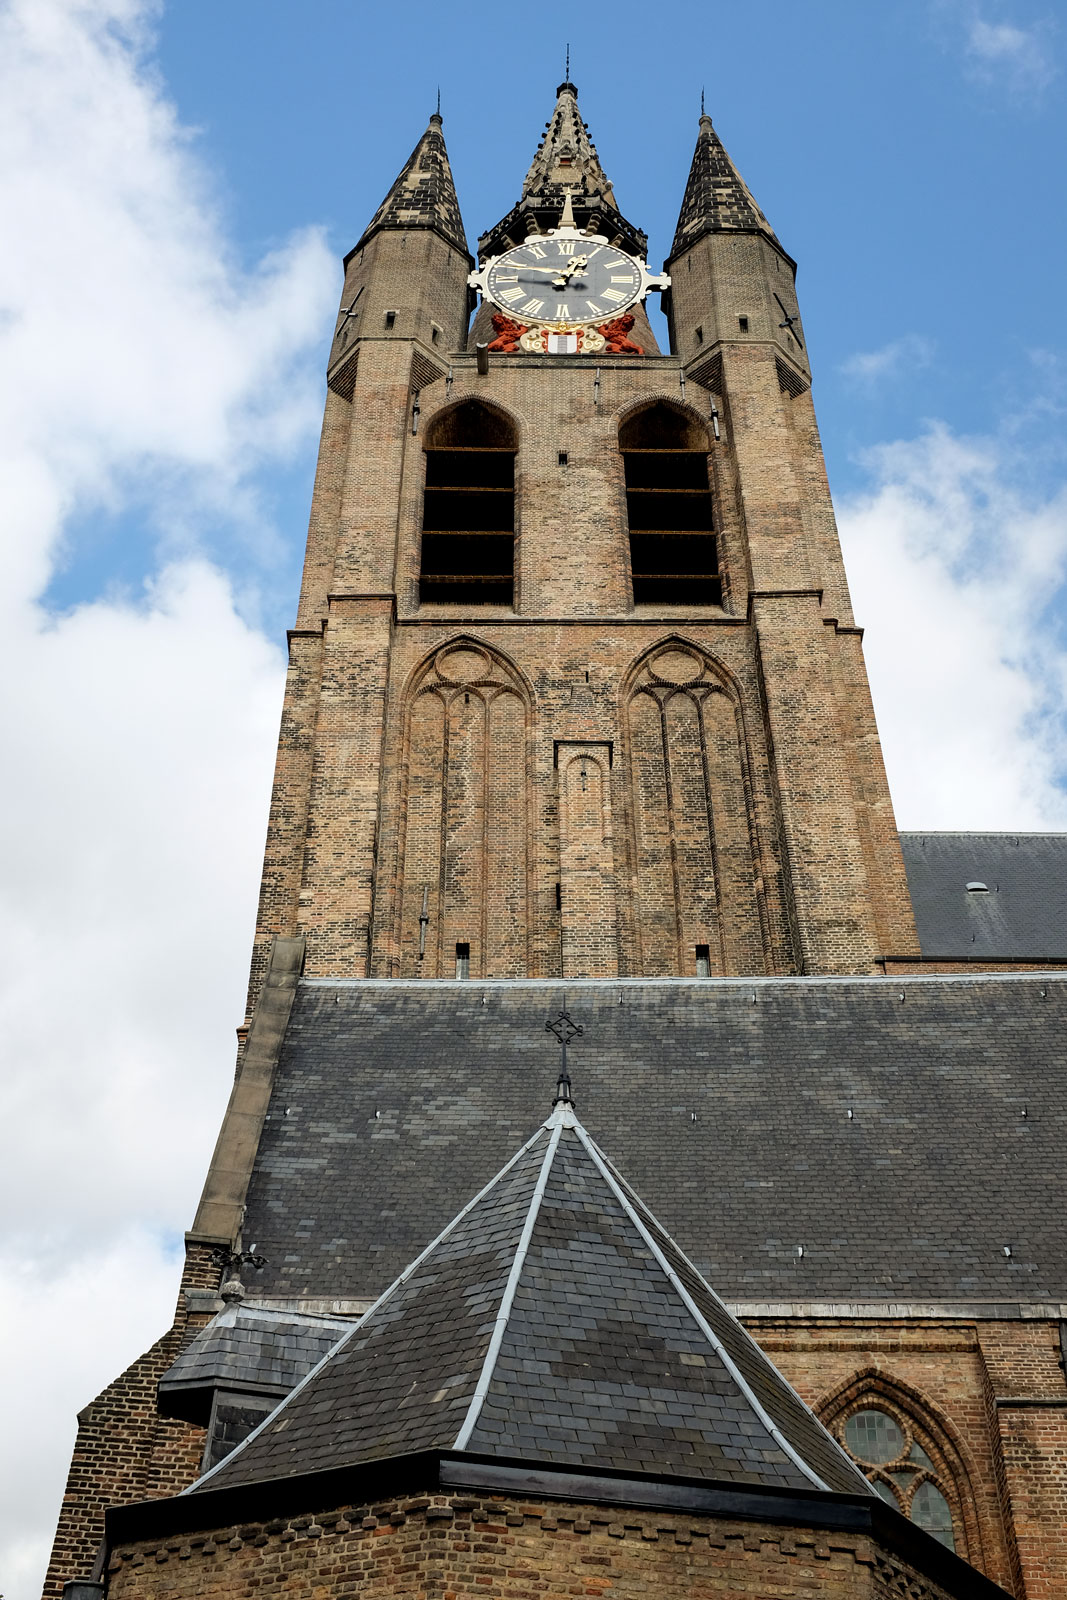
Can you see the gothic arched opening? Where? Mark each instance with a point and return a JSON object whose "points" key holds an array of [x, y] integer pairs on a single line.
{"points": [[468, 513], [673, 557], [908, 1455]]}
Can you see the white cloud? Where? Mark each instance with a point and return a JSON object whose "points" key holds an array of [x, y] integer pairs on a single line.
{"points": [[145, 371], [908, 354], [959, 575], [1016, 57]]}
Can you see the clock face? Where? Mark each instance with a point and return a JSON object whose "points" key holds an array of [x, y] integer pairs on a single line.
{"points": [[564, 280]]}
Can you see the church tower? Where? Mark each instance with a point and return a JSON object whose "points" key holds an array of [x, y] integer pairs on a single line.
{"points": [[575, 688], [576, 713]]}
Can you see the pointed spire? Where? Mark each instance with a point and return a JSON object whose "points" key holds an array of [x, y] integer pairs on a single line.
{"points": [[424, 195], [554, 1320], [565, 163], [717, 198]]}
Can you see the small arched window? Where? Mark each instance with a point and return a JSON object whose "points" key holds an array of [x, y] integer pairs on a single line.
{"points": [[673, 557], [884, 1443], [468, 508]]}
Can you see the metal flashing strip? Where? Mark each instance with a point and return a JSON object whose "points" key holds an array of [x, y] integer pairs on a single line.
{"points": [[386, 1294], [894, 1310], [695, 1312], [707, 986], [486, 1375]]}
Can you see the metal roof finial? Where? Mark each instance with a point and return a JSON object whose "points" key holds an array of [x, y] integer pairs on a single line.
{"points": [[565, 1030]]}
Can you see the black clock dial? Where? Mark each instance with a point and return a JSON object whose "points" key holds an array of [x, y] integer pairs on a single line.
{"points": [[564, 280]]}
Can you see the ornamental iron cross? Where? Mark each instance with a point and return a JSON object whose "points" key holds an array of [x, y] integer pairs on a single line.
{"points": [[565, 1030]]}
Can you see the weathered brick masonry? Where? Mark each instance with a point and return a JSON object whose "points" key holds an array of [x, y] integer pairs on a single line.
{"points": [[577, 785], [510, 1549]]}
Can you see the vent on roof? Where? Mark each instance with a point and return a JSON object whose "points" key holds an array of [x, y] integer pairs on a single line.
{"points": [[977, 888]]}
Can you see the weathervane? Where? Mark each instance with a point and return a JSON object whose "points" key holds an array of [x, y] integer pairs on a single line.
{"points": [[565, 1030]]}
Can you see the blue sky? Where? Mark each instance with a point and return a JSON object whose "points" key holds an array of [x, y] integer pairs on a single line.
{"points": [[178, 183]]}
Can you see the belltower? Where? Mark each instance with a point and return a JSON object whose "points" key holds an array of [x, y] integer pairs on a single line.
{"points": [[576, 712], [575, 688]]}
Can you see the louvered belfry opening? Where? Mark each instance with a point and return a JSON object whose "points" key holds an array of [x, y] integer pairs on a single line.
{"points": [[668, 505], [468, 516]]}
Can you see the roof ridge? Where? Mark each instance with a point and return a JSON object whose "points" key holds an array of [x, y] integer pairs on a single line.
{"points": [[695, 1312], [508, 1298], [385, 1296]]}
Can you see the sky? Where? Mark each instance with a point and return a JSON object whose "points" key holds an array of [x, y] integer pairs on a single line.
{"points": [[179, 183]]}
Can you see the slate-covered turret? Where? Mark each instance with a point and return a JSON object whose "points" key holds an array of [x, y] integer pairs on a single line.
{"points": [[424, 194], [717, 199]]}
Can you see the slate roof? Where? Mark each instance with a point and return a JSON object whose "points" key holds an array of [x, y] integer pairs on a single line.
{"points": [[249, 1348], [566, 160], [725, 1101], [424, 194], [717, 199], [553, 1320], [1022, 914]]}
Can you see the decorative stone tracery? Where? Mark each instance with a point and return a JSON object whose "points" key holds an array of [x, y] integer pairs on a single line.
{"points": [[696, 863], [463, 873]]}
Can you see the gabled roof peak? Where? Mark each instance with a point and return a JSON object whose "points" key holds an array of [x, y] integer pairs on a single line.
{"points": [[424, 194], [553, 1320]]}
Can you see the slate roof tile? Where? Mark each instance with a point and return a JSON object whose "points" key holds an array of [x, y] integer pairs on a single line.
{"points": [[555, 1371], [913, 1198]]}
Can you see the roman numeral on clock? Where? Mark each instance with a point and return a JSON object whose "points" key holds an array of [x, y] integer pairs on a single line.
{"points": [[565, 246], [534, 307], [615, 295], [513, 295], [535, 250], [564, 313]]}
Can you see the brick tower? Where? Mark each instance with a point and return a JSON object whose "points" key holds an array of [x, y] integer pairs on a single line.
{"points": [[575, 687], [576, 697]]}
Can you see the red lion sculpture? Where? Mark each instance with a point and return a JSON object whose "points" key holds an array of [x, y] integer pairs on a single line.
{"points": [[508, 334], [615, 333]]}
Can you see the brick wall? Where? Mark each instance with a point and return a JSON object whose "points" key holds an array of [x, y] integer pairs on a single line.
{"points": [[801, 854], [450, 1547], [124, 1450]]}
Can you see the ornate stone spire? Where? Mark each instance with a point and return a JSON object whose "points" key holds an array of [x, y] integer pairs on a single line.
{"points": [[566, 164], [424, 195], [717, 198]]}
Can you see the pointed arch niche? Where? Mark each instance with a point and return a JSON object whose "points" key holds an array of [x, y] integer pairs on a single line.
{"points": [[698, 893], [911, 1454], [463, 867]]}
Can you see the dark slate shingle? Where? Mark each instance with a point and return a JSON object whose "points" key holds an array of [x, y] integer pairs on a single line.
{"points": [[1022, 913], [728, 1114]]}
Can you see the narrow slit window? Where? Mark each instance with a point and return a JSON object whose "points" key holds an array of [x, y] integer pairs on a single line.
{"points": [[673, 555], [463, 961], [390, 319], [563, 458], [742, 323], [703, 961], [468, 508]]}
